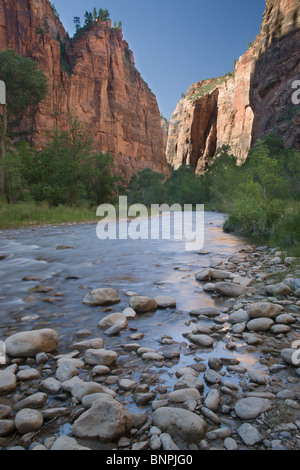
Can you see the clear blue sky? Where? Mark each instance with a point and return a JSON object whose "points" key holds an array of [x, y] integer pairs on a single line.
{"points": [[177, 42]]}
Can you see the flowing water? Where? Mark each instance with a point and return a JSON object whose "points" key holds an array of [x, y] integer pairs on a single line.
{"points": [[148, 267]]}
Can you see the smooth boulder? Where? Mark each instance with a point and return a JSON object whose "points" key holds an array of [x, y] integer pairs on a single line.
{"points": [[180, 423], [31, 343], [228, 289], [106, 420], [115, 319], [102, 297], [264, 310], [142, 304]]}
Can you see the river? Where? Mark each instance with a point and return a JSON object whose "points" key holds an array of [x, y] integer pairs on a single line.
{"points": [[148, 267]]}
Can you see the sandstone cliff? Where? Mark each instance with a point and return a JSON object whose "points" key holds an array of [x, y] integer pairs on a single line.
{"points": [[243, 106], [95, 76]]}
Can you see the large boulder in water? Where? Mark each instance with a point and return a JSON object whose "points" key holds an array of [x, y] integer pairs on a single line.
{"points": [[180, 423], [142, 304], [106, 420], [102, 297], [31, 343]]}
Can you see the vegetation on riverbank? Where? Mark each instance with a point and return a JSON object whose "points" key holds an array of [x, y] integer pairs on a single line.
{"points": [[30, 214], [261, 197]]}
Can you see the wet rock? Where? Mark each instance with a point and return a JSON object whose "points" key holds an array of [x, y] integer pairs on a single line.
{"points": [[212, 377], [279, 289], [249, 434], [260, 324], [102, 297], [240, 316], [50, 385], [221, 433], [164, 302], [114, 320], [291, 356], [101, 370], [206, 311], [189, 381], [6, 427], [8, 382], [185, 394], [66, 371], [129, 313], [96, 343], [186, 370], [285, 319], [106, 420], [257, 377], [251, 408], [5, 411], [210, 415], [264, 310], [153, 356], [142, 304], [41, 289], [28, 420], [201, 340], [155, 443], [213, 400], [180, 423], [167, 443], [127, 384], [31, 343], [143, 399], [28, 374], [280, 329], [228, 289], [65, 443], [230, 444], [100, 357], [37, 400]]}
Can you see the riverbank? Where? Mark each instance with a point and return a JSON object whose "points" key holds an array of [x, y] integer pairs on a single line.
{"points": [[230, 376], [24, 215]]}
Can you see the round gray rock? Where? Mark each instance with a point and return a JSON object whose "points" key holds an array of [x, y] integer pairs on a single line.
{"points": [[180, 423], [142, 304], [102, 297], [106, 420], [252, 407], [28, 420], [31, 343]]}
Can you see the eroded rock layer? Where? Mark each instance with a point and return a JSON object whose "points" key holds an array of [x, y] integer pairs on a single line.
{"points": [[94, 75], [245, 105]]}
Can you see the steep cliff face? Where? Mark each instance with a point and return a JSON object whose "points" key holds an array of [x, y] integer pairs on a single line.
{"points": [[241, 107], [94, 76]]}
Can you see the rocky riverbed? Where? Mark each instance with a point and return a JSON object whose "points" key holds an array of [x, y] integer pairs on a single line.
{"points": [[229, 380]]}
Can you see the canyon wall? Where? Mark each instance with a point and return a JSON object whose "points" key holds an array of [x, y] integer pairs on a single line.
{"points": [[245, 105], [93, 76]]}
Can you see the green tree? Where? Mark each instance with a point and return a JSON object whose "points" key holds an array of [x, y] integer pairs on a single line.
{"points": [[77, 23], [26, 85]]}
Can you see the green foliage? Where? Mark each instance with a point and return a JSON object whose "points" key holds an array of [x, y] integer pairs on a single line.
{"points": [[26, 84], [262, 196], [90, 19], [183, 187], [65, 172]]}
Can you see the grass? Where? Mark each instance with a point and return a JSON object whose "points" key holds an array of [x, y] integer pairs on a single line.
{"points": [[29, 214]]}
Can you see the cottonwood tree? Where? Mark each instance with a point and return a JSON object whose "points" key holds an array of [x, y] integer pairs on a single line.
{"points": [[26, 85]]}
